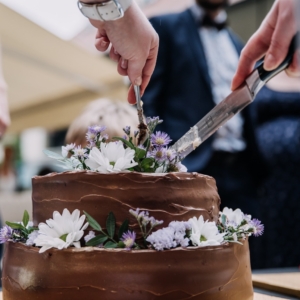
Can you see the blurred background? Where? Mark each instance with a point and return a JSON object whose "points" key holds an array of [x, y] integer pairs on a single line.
{"points": [[53, 71]]}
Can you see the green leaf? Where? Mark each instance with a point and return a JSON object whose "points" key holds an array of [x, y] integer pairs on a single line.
{"points": [[25, 218], [93, 223], [97, 240], [123, 228], [110, 244], [140, 153], [127, 143], [147, 163], [111, 224], [120, 245], [14, 225]]}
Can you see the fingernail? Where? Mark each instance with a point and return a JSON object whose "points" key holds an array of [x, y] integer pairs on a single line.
{"points": [[269, 62], [138, 81], [115, 51], [103, 44], [124, 63]]}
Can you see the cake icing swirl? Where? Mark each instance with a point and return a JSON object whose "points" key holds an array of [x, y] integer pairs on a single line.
{"points": [[168, 197]]}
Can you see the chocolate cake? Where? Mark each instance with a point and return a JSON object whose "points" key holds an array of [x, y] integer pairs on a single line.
{"points": [[206, 273]]}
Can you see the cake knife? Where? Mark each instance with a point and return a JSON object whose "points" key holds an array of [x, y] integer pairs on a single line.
{"points": [[230, 106]]}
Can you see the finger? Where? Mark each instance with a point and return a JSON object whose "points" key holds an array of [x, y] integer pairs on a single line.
{"points": [[131, 95], [253, 51], [114, 55], [101, 42], [279, 47], [147, 73], [122, 66], [294, 69], [148, 70]]}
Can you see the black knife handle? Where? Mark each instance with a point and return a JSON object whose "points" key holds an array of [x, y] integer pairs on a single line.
{"points": [[265, 76]]}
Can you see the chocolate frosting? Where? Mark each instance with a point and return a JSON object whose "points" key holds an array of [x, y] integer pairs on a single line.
{"points": [[167, 197], [208, 273]]}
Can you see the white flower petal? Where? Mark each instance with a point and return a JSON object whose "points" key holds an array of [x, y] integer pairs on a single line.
{"points": [[65, 224]]}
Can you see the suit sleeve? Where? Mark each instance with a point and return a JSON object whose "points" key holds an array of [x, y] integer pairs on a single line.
{"points": [[153, 97]]}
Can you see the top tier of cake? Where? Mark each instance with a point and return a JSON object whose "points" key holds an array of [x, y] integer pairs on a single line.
{"points": [[167, 197]]}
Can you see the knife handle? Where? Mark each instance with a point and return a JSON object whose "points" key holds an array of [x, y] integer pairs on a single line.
{"points": [[265, 76]]}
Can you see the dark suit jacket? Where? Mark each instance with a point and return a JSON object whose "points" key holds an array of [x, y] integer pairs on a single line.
{"points": [[180, 91]]}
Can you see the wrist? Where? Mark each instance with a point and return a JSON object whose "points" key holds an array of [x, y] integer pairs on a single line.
{"points": [[100, 10]]}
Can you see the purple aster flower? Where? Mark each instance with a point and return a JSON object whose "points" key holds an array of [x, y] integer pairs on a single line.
{"points": [[128, 238], [126, 129], [125, 137], [258, 228], [159, 154], [5, 234], [160, 139], [96, 129], [91, 137], [91, 144], [80, 153]]}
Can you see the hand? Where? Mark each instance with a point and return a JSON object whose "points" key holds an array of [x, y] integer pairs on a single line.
{"points": [[134, 46], [272, 39]]}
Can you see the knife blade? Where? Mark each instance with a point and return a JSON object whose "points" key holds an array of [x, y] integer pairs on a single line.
{"points": [[230, 106]]}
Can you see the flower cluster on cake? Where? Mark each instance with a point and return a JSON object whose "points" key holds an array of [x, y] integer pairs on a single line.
{"points": [[121, 154]]}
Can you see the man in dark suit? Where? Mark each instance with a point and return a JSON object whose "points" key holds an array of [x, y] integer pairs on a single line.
{"points": [[197, 59]]}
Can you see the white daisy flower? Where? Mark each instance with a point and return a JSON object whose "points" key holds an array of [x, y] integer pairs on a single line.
{"points": [[234, 217], [111, 158], [205, 233], [62, 231]]}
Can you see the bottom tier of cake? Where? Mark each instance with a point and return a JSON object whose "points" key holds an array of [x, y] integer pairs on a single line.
{"points": [[210, 273]]}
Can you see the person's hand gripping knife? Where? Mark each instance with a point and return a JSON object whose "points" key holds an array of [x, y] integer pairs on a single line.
{"points": [[271, 40], [134, 42]]}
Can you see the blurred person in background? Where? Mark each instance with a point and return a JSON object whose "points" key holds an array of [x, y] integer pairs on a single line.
{"points": [[276, 115], [115, 115], [197, 59]]}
